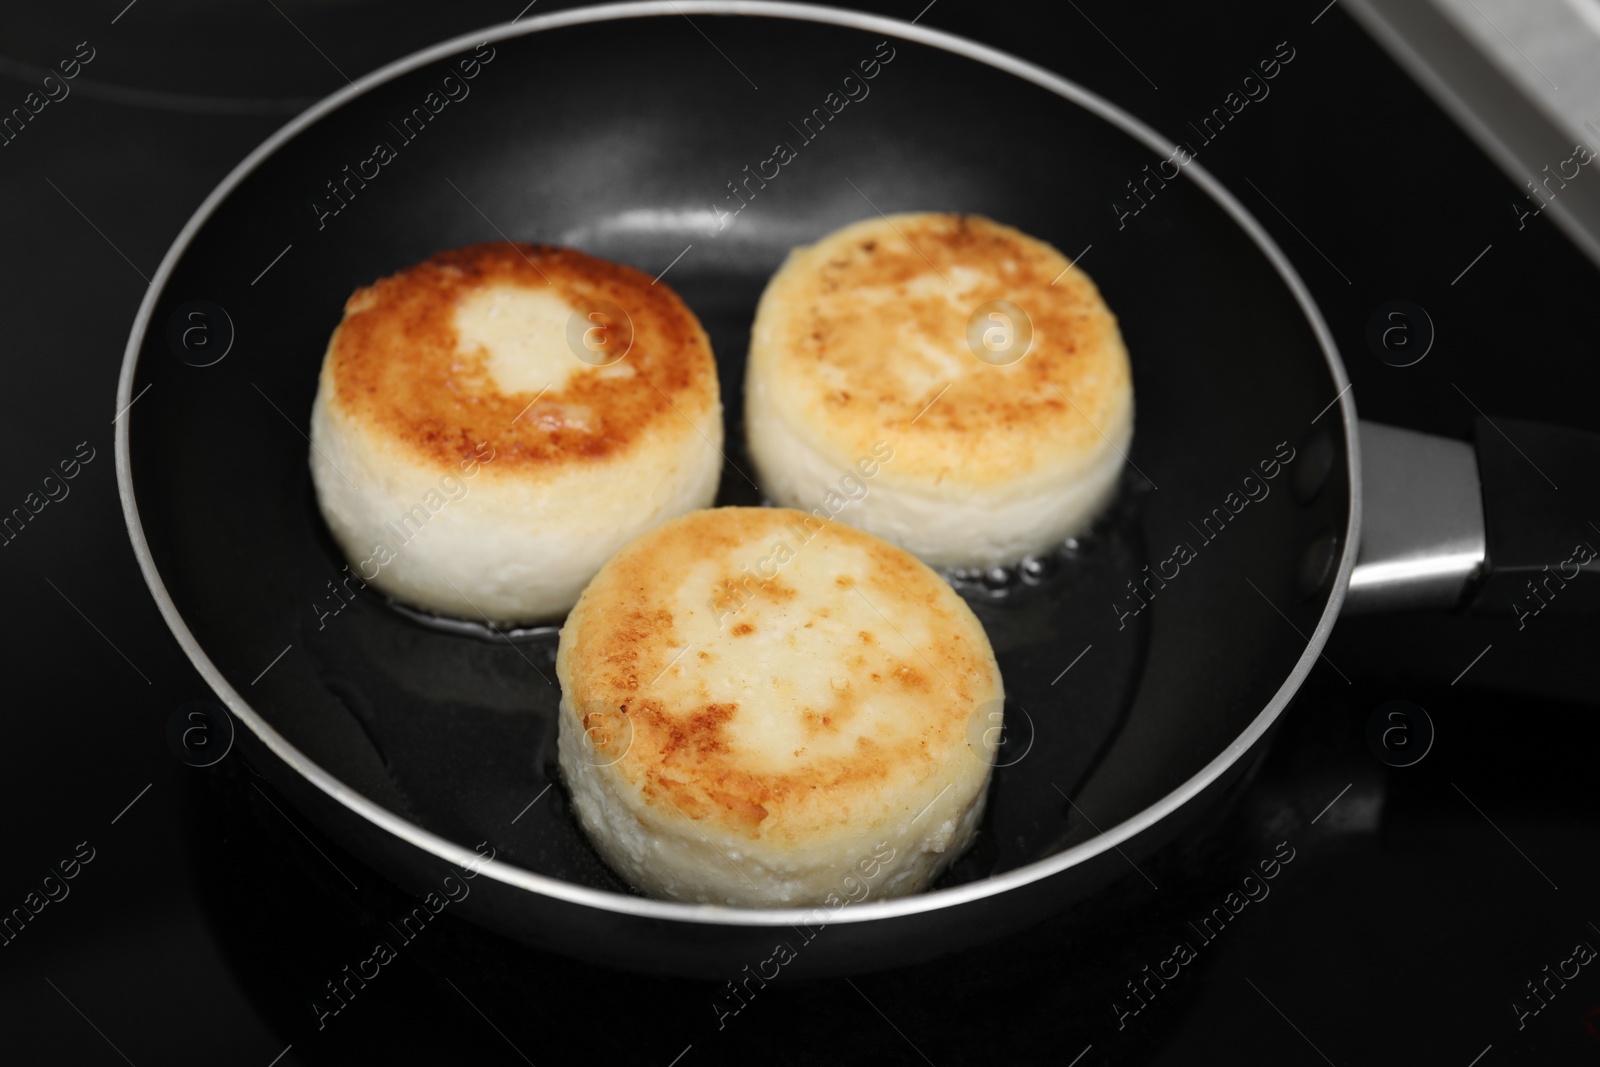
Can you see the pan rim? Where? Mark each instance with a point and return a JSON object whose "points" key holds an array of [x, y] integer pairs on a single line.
{"points": [[716, 914]]}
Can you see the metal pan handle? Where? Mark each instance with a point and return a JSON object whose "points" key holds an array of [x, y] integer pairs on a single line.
{"points": [[1507, 524]]}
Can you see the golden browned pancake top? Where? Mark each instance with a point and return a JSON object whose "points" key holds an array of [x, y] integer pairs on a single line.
{"points": [[864, 335], [397, 366], [784, 708]]}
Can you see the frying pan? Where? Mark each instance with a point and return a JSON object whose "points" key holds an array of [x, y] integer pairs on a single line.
{"points": [[421, 748]]}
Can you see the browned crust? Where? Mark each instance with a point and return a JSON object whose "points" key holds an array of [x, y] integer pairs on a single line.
{"points": [[845, 355], [396, 367], [622, 637]]}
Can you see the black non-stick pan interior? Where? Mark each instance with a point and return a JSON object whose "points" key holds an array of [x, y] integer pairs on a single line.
{"points": [[621, 138]]}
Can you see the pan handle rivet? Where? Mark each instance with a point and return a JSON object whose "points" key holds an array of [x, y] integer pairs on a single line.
{"points": [[1316, 565], [1316, 463]]}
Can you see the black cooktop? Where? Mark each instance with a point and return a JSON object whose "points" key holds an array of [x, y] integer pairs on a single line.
{"points": [[1442, 911]]}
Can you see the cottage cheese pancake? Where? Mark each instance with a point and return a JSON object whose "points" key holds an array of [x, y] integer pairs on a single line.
{"points": [[760, 708], [492, 424], [996, 373]]}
